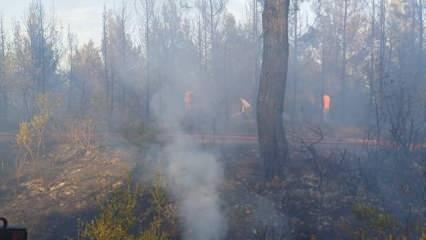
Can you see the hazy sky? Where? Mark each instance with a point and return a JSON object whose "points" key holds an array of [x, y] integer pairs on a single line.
{"points": [[85, 16]]}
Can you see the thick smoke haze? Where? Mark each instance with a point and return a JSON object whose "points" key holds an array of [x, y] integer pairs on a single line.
{"points": [[333, 149], [193, 175], [194, 178]]}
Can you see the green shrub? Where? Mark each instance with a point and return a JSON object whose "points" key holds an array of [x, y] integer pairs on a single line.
{"points": [[132, 212], [374, 218], [31, 135]]}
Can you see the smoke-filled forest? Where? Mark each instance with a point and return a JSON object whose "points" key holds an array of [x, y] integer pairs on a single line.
{"points": [[195, 120]]}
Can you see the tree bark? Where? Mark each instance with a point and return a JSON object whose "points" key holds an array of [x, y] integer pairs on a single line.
{"points": [[421, 26], [3, 92], [323, 70], [105, 55], [148, 12], [344, 59], [295, 59], [270, 103], [381, 70]]}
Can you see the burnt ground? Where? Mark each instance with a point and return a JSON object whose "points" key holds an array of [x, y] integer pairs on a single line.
{"points": [[326, 193], [293, 208], [54, 193]]}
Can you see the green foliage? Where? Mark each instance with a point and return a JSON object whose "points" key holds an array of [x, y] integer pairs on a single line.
{"points": [[162, 219], [373, 223], [116, 217], [31, 134], [375, 218], [133, 213]]}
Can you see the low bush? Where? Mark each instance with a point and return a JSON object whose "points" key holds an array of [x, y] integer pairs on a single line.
{"points": [[133, 212]]}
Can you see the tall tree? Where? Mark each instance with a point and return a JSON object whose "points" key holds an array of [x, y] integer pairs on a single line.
{"points": [[382, 28], [148, 7], [322, 59], [71, 50], [105, 58], [256, 43], [43, 41], [379, 87], [372, 53], [344, 61], [210, 13], [421, 27], [295, 57], [122, 50], [3, 90], [272, 138], [87, 77]]}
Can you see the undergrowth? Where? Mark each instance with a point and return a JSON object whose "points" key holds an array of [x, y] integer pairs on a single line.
{"points": [[133, 212]]}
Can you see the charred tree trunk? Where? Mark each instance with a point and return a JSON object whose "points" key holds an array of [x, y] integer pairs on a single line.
{"points": [[3, 92], [295, 59], [372, 55], [421, 26], [270, 103], [123, 54], [105, 55], [71, 71], [381, 70], [256, 44], [148, 56], [322, 74], [344, 59]]}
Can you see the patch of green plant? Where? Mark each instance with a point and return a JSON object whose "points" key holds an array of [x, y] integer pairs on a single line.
{"points": [[375, 222], [31, 135], [375, 218], [134, 213]]}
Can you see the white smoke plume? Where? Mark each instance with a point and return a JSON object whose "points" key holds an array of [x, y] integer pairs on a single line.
{"points": [[194, 179], [193, 175]]}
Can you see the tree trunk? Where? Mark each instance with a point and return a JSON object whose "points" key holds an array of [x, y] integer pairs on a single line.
{"points": [[3, 92], [323, 70], [105, 55], [272, 139], [381, 70], [421, 37], [344, 50], [148, 56], [71, 71], [256, 43], [295, 60]]}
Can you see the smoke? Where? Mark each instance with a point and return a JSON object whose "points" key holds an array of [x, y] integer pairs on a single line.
{"points": [[194, 179], [194, 175]]}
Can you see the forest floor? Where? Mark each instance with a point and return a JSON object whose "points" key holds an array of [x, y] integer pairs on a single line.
{"points": [[325, 194], [52, 194]]}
